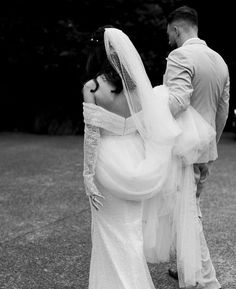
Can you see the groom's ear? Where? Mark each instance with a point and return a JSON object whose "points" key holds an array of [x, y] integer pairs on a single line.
{"points": [[176, 29]]}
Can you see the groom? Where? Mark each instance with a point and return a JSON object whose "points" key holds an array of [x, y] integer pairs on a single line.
{"points": [[198, 76]]}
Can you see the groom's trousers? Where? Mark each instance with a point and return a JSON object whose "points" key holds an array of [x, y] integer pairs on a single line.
{"points": [[208, 271]]}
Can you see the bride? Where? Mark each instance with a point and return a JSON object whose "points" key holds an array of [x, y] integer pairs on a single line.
{"points": [[137, 170]]}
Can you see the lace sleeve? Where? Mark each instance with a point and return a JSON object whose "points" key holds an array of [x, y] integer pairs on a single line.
{"points": [[91, 142]]}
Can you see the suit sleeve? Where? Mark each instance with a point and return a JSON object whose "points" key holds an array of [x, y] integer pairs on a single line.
{"points": [[222, 110], [178, 79]]}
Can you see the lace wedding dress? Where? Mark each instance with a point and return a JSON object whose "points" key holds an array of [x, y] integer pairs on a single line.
{"points": [[117, 257]]}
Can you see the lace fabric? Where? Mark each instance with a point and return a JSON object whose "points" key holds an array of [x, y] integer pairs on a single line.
{"points": [[91, 143], [96, 118]]}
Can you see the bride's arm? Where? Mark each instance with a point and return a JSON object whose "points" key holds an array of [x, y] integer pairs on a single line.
{"points": [[91, 143]]}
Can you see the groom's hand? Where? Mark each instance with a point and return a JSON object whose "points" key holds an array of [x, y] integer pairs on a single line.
{"points": [[201, 173]]}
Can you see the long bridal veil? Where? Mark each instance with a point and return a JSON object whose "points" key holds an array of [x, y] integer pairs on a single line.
{"points": [[156, 123], [150, 114], [170, 148]]}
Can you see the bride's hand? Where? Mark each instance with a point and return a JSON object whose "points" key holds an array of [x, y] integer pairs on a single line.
{"points": [[94, 198], [93, 193]]}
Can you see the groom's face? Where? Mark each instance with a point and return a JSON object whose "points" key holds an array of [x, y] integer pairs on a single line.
{"points": [[172, 35]]}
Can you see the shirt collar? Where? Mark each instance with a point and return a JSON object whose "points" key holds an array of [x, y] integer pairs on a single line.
{"points": [[194, 40]]}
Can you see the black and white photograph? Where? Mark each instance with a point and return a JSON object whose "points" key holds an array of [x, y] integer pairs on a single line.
{"points": [[117, 144]]}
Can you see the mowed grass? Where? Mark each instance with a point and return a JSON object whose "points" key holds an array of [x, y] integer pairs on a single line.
{"points": [[45, 217], [44, 213]]}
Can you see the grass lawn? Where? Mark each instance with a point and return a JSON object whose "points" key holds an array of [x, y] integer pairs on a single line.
{"points": [[45, 217]]}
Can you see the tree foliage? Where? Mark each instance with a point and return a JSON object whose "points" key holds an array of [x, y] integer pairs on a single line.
{"points": [[47, 43]]}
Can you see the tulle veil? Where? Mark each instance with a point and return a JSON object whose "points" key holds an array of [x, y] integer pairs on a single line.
{"points": [[170, 220]]}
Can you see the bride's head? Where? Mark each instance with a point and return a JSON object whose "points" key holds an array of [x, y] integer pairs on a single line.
{"points": [[98, 63]]}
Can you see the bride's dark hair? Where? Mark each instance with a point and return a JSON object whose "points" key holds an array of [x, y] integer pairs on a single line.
{"points": [[98, 63]]}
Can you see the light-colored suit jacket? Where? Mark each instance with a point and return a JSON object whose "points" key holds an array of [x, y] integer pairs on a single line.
{"points": [[197, 75]]}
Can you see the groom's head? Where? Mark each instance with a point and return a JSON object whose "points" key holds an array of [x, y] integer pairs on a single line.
{"points": [[182, 25]]}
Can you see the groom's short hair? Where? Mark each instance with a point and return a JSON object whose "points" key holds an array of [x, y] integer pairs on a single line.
{"points": [[184, 13]]}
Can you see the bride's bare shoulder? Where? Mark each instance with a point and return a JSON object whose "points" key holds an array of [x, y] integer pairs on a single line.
{"points": [[99, 91], [88, 91]]}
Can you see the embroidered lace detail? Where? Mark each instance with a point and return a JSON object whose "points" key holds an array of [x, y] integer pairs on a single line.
{"points": [[95, 117], [91, 142]]}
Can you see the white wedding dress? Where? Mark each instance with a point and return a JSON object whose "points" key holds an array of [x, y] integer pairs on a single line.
{"points": [[117, 257], [143, 166], [138, 222]]}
